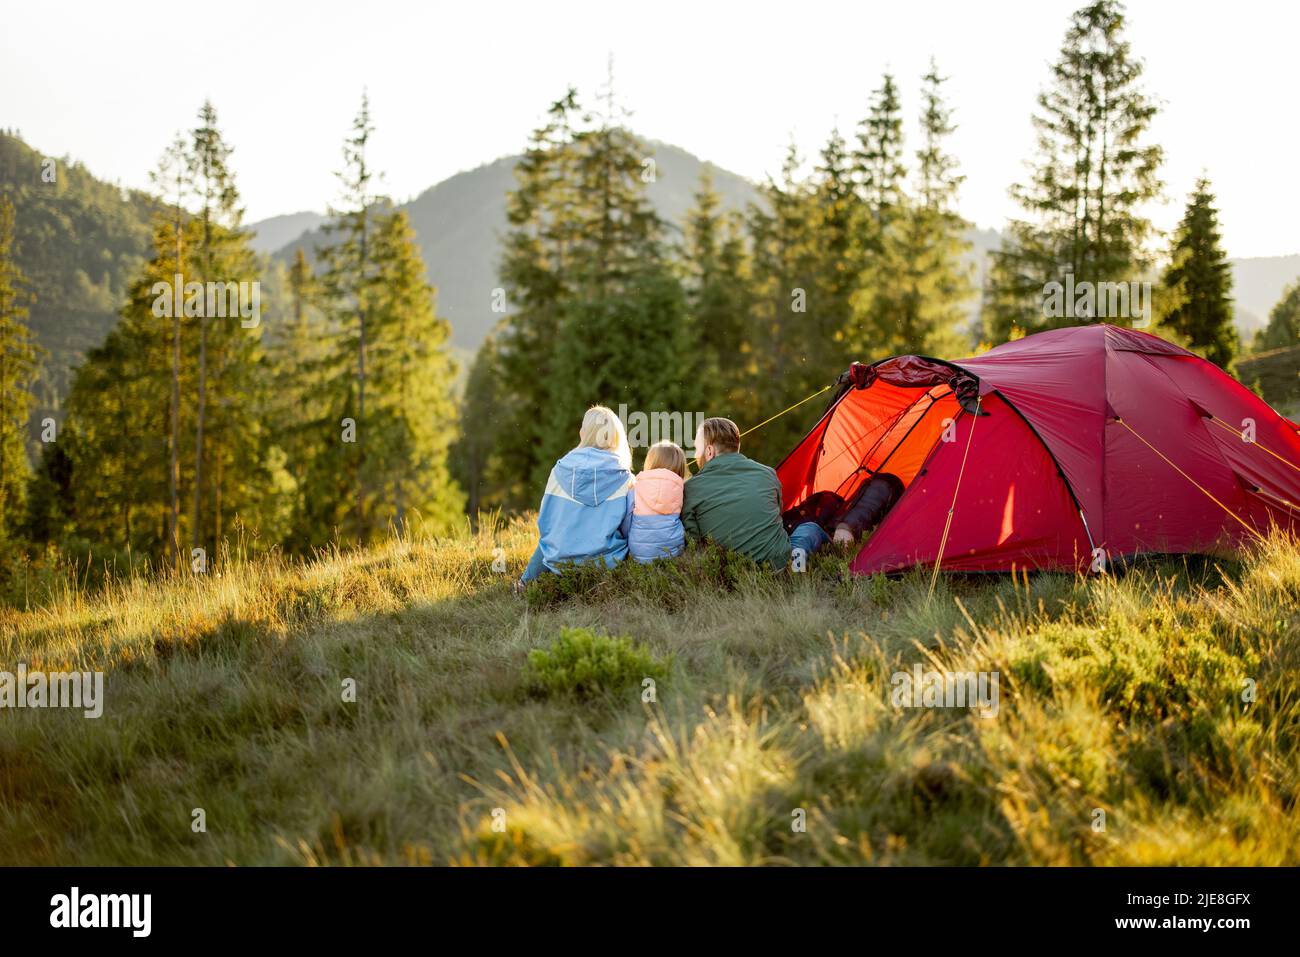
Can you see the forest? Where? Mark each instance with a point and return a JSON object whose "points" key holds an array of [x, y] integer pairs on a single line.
{"points": [[341, 415]]}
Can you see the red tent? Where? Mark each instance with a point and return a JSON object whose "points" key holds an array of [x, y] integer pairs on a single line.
{"points": [[1063, 450]]}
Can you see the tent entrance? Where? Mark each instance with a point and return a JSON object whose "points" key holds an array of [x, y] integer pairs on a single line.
{"points": [[881, 427]]}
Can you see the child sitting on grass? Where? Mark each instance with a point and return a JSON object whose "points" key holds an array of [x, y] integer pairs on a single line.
{"points": [[656, 502]]}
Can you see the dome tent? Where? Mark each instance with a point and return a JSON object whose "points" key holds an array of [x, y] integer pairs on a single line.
{"points": [[1065, 450]]}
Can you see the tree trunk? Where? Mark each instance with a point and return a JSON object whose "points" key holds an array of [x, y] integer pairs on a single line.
{"points": [[174, 471]]}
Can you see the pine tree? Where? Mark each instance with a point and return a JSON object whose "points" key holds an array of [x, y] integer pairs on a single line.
{"points": [[785, 266], [346, 284], [388, 418], [920, 295], [537, 274], [231, 371], [1283, 329], [19, 364], [1092, 174], [714, 263], [411, 375], [880, 173], [475, 457], [878, 159], [50, 508], [121, 417], [154, 376], [218, 198], [599, 313], [624, 334], [172, 176], [837, 219], [297, 358], [1200, 279]]}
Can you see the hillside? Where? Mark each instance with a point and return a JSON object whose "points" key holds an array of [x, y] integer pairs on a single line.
{"points": [[270, 235], [1276, 375], [460, 220], [1257, 285], [773, 735], [80, 243]]}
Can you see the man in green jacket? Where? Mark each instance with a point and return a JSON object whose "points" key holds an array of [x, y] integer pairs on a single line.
{"points": [[735, 502]]}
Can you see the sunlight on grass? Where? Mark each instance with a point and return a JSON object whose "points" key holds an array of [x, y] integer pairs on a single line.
{"points": [[1146, 718]]}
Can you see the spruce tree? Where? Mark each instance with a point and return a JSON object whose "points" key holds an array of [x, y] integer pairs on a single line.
{"points": [[173, 178], [1283, 329], [1091, 176], [346, 282], [878, 159], [538, 275], [135, 396], [19, 365], [385, 385], [411, 375], [920, 295], [880, 174], [218, 210], [475, 460], [624, 335], [785, 268], [297, 356], [837, 214], [714, 263], [1200, 281], [232, 376], [120, 421]]}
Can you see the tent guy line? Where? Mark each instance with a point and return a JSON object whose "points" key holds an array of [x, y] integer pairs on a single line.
{"points": [[1250, 528], [947, 525]]}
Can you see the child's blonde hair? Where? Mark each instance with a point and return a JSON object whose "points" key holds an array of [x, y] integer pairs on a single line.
{"points": [[666, 455], [602, 429]]}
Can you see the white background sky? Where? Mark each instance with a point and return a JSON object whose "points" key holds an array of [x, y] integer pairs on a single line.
{"points": [[453, 85]]}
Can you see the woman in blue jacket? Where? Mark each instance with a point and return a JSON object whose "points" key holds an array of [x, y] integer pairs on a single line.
{"points": [[585, 510]]}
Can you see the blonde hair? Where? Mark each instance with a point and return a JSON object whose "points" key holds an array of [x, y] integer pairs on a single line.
{"points": [[602, 429], [722, 434], [666, 455]]}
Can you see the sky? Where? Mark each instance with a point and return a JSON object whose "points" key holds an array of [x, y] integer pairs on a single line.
{"points": [[455, 85]]}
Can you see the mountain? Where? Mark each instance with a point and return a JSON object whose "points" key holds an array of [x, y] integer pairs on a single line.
{"points": [[80, 242], [271, 235], [459, 223], [1257, 285]]}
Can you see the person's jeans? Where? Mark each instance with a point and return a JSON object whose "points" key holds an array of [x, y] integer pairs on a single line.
{"points": [[809, 536], [535, 566]]}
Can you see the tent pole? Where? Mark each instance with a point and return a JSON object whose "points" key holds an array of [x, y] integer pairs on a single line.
{"points": [[1092, 546]]}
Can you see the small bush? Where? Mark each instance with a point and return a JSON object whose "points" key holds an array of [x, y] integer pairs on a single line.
{"points": [[586, 665]]}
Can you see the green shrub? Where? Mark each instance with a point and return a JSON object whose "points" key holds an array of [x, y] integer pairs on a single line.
{"points": [[583, 664]]}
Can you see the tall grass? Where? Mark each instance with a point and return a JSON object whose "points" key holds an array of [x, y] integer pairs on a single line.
{"points": [[1126, 732]]}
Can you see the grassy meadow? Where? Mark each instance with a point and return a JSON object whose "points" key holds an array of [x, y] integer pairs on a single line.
{"points": [[1124, 733]]}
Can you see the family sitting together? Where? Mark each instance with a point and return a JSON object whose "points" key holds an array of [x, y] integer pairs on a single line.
{"points": [[594, 509]]}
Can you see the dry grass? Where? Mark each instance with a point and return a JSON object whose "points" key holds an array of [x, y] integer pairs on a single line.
{"points": [[1119, 695]]}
